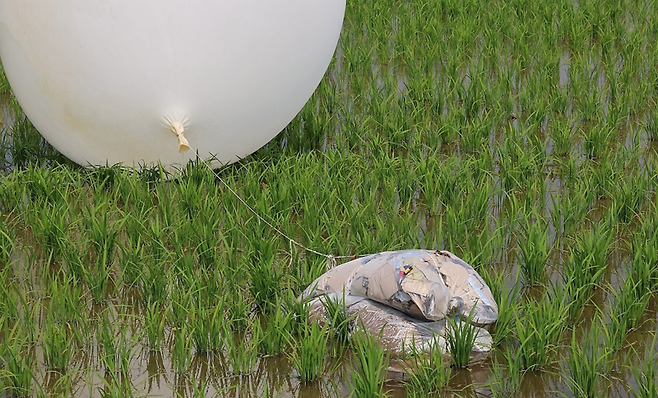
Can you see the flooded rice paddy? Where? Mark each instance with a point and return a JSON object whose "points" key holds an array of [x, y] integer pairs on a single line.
{"points": [[520, 136]]}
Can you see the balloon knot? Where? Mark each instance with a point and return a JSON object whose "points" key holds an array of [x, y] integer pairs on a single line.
{"points": [[178, 129]]}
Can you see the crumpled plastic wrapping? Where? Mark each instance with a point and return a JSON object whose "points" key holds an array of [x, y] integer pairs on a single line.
{"points": [[409, 294], [426, 284]]}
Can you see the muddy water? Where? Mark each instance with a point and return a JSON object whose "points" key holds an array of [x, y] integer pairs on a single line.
{"points": [[152, 374]]}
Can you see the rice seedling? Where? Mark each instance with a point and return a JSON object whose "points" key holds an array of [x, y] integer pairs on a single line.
{"points": [[241, 350], [562, 137], [264, 274], [105, 336], [628, 197], [126, 351], [26, 308], [651, 125], [49, 225], [6, 244], [19, 363], [539, 328], [154, 326], [56, 344], [182, 302], [369, 371], [534, 250], [299, 311], [131, 255], [276, 336], [460, 338], [645, 256], [209, 242], [43, 186], [588, 363], [55, 384], [238, 307], [194, 389], [507, 301], [97, 278], [646, 375], [567, 211], [116, 386], [105, 177], [474, 135], [588, 259], [154, 279], [427, 371], [597, 138], [603, 178], [309, 356], [9, 302], [67, 301], [516, 165], [74, 258], [630, 303], [181, 353], [103, 231], [28, 148], [341, 322], [206, 324], [506, 383]]}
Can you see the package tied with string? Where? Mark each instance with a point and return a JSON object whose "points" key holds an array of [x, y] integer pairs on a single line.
{"points": [[409, 293]]}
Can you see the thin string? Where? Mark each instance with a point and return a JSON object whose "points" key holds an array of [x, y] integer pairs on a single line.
{"points": [[331, 259]]}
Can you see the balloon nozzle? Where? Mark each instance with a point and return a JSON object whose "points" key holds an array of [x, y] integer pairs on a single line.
{"points": [[178, 129]]}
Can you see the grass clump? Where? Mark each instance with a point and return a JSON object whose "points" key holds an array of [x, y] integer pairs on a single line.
{"points": [[154, 326], [310, 356], [539, 326], [181, 354], [339, 319], [369, 371], [19, 363], [507, 301], [241, 350], [427, 370], [534, 251], [506, 382], [460, 337], [630, 303], [646, 375], [588, 363], [6, 243], [57, 344], [276, 336]]}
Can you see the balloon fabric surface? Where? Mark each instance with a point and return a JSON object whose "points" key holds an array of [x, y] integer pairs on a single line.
{"points": [[131, 81]]}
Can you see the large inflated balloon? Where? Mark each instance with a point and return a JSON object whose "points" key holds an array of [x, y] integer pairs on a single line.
{"points": [[129, 81]]}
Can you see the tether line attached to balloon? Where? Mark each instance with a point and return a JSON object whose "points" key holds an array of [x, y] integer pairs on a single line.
{"points": [[331, 259]]}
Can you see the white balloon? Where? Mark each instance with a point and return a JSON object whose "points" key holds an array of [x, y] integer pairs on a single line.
{"points": [[112, 81]]}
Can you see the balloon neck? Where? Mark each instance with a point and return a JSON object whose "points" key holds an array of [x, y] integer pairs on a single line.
{"points": [[178, 129]]}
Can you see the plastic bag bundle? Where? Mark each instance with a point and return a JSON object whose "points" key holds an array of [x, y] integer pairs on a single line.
{"points": [[424, 284], [407, 295]]}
